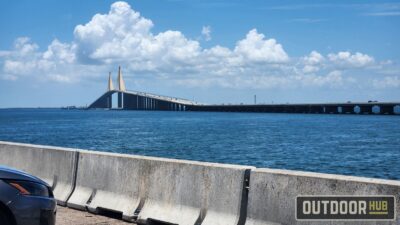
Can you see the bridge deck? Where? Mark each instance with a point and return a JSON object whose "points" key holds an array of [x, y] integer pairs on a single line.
{"points": [[161, 97], [168, 103], [135, 100]]}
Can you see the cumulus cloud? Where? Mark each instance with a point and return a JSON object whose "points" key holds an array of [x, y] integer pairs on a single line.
{"points": [[124, 37], [24, 46], [57, 63], [22, 59], [112, 36], [256, 48], [351, 60], [312, 62], [61, 52], [313, 58]]}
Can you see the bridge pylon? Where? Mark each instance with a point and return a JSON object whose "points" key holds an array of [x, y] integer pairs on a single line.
{"points": [[110, 83], [121, 81], [122, 88]]}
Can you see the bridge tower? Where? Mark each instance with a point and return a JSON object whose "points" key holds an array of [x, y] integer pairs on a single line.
{"points": [[109, 88], [110, 83], [121, 81], [122, 88]]}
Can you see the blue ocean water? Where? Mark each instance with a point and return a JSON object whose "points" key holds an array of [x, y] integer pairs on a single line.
{"points": [[362, 145]]}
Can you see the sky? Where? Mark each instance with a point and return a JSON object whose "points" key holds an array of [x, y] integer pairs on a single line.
{"points": [[59, 53]]}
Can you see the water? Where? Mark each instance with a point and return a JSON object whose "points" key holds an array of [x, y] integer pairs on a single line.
{"points": [[342, 144]]}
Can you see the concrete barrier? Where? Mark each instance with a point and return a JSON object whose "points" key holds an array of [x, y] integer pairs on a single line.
{"points": [[173, 191], [54, 165], [108, 181], [191, 193], [273, 192], [154, 190]]}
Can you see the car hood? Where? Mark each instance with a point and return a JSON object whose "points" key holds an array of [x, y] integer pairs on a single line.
{"points": [[14, 174]]}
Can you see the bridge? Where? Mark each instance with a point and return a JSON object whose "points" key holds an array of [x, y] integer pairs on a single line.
{"points": [[136, 100]]}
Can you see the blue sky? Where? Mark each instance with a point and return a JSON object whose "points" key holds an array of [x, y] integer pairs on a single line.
{"points": [[55, 53]]}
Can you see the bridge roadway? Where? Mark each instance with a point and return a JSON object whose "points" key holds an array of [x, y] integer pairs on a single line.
{"points": [[135, 100], [387, 108]]}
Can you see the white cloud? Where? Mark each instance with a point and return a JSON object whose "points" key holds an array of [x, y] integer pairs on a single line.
{"points": [[347, 59], [61, 52], [26, 60], [22, 59], [258, 49], [18, 67], [206, 33], [121, 33], [124, 37], [312, 62], [24, 46], [314, 58]]}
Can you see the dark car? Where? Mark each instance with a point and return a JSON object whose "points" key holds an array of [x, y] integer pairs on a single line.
{"points": [[25, 199]]}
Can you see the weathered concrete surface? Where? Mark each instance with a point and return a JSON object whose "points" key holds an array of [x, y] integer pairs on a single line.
{"points": [[108, 181], [53, 164], [67, 216], [187, 192], [273, 192], [174, 191]]}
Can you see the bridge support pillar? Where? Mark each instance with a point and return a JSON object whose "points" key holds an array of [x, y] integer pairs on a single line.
{"points": [[120, 100], [316, 109], [331, 109], [366, 109], [348, 109], [387, 109], [109, 102]]}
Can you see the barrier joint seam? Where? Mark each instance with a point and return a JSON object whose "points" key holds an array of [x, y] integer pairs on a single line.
{"points": [[245, 197], [74, 177]]}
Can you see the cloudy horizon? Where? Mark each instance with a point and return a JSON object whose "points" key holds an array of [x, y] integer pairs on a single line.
{"points": [[170, 62]]}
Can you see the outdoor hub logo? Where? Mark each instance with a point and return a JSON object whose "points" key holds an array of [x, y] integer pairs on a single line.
{"points": [[345, 208]]}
